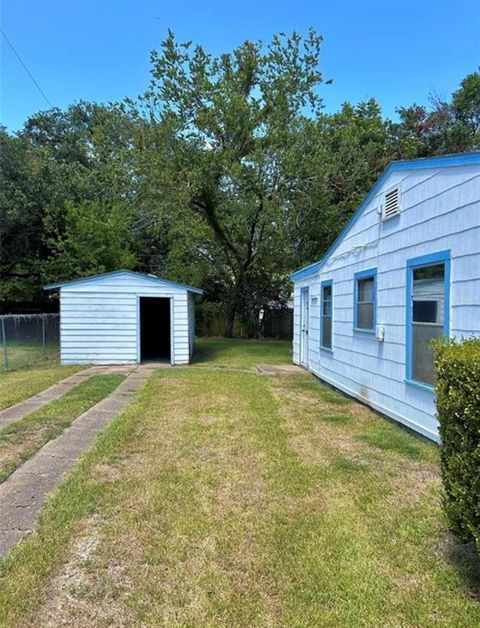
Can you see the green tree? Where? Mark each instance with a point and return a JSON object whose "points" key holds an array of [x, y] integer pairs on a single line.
{"points": [[216, 129], [336, 159], [92, 238], [27, 182], [60, 159], [448, 126], [226, 174]]}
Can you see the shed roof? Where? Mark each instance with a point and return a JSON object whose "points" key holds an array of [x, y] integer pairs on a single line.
{"points": [[441, 161], [128, 273]]}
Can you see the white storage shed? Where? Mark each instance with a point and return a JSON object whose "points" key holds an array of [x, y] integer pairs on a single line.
{"points": [[404, 270], [125, 317]]}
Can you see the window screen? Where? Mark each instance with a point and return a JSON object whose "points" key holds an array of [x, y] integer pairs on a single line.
{"points": [[428, 299], [326, 318], [365, 303]]}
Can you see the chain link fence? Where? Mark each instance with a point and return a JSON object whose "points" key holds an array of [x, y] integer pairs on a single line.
{"points": [[27, 338]]}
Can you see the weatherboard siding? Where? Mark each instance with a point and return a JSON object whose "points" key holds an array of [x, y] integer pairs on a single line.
{"points": [[440, 210], [191, 324], [100, 320]]}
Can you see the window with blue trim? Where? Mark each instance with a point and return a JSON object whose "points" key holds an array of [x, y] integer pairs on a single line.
{"points": [[365, 298], [427, 313], [326, 315]]}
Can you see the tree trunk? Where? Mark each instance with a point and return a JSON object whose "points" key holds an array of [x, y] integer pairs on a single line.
{"points": [[242, 302], [229, 324], [232, 311], [250, 311]]}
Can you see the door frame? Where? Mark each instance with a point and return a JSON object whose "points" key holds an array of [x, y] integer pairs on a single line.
{"points": [[304, 340], [172, 344]]}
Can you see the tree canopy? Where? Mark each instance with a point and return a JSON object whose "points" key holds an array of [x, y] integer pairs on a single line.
{"points": [[216, 132], [226, 173]]}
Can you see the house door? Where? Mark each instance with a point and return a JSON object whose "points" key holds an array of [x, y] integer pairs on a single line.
{"points": [[304, 322]]}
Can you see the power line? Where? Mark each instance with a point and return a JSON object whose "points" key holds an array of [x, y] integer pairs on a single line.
{"points": [[25, 67]]}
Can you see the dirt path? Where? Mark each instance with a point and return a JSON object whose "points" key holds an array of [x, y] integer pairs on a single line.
{"points": [[21, 409], [24, 493]]}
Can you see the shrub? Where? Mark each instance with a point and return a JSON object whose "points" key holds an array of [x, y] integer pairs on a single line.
{"points": [[458, 410]]}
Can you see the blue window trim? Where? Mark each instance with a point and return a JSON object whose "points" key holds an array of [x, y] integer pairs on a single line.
{"points": [[421, 262], [365, 274], [325, 284]]}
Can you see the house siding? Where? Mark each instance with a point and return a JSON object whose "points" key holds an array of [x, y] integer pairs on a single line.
{"points": [[440, 210]]}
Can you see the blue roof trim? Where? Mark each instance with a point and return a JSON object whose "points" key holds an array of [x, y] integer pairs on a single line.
{"points": [[460, 159], [305, 272], [123, 271]]}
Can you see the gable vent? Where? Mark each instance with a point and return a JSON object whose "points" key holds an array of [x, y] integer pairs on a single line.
{"points": [[391, 204]]}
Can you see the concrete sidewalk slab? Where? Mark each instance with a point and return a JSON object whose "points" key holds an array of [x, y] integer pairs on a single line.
{"points": [[26, 490], [280, 369], [21, 409]]}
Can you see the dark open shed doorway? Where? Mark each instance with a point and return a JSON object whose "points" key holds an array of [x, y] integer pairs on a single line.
{"points": [[155, 341]]}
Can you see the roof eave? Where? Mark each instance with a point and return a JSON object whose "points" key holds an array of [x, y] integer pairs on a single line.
{"points": [[157, 280]]}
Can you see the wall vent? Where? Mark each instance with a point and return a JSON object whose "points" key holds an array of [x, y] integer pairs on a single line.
{"points": [[391, 204]]}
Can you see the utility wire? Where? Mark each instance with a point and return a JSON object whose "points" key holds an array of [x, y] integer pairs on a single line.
{"points": [[25, 67]]}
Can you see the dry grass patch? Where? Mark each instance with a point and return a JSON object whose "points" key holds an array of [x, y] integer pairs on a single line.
{"points": [[410, 487], [72, 594], [309, 449]]}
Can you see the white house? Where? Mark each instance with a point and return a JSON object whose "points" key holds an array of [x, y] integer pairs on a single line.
{"points": [[125, 317], [405, 269]]}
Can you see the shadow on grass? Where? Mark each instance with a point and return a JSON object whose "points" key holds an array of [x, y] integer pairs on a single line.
{"points": [[207, 351], [465, 558]]}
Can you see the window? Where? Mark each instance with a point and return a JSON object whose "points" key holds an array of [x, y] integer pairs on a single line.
{"points": [[427, 313], [365, 300], [326, 315]]}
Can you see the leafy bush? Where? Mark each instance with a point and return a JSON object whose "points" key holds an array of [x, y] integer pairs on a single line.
{"points": [[458, 410]]}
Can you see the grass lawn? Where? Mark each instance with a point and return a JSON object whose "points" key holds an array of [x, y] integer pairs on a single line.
{"points": [[227, 498], [241, 354], [18, 385], [21, 439], [25, 353]]}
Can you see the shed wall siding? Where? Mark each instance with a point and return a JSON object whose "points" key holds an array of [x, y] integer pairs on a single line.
{"points": [[100, 321], [440, 211], [191, 323]]}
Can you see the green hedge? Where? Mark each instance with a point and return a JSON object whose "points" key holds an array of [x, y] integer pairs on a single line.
{"points": [[458, 410]]}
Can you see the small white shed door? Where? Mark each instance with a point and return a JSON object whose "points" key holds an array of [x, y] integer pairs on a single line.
{"points": [[304, 322]]}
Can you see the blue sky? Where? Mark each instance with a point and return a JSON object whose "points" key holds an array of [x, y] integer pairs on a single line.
{"points": [[398, 52]]}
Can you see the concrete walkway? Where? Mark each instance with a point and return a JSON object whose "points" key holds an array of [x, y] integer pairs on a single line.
{"points": [[281, 369], [21, 409], [25, 492]]}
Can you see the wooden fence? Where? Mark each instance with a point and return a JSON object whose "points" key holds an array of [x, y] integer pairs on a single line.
{"points": [[275, 323], [278, 324]]}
